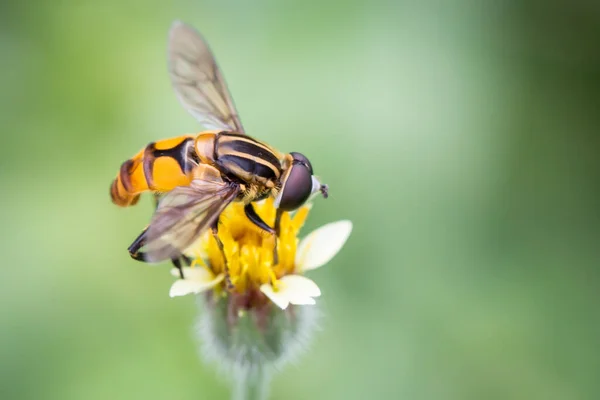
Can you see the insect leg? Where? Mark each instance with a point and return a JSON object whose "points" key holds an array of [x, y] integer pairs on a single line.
{"points": [[256, 219], [177, 265], [215, 231], [278, 215], [179, 262], [187, 261]]}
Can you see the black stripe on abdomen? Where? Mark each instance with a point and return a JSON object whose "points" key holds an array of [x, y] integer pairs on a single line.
{"points": [[180, 153], [125, 175]]}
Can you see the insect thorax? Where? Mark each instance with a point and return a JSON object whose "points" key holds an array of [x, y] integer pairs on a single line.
{"points": [[247, 159]]}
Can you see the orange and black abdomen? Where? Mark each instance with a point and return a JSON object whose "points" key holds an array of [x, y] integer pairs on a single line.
{"points": [[159, 167]]}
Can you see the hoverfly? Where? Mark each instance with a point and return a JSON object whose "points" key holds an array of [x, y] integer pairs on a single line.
{"points": [[195, 177]]}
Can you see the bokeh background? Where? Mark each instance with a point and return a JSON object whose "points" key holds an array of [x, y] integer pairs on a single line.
{"points": [[461, 138]]}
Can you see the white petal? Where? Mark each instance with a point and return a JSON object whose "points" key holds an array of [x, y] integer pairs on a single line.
{"points": [[321, 245], [298, 286], [278, 297], [302, 301], [294, 289], [181, 287], [197, 273]]}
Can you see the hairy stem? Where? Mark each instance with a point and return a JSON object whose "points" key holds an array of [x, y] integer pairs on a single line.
{"points": [[252, 384]]}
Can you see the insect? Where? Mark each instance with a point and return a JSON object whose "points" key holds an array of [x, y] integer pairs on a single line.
{"points": [[195, 177]]}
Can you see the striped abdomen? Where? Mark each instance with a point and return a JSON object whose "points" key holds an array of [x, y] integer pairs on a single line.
{"points": [[161, 166], [247, 159]]}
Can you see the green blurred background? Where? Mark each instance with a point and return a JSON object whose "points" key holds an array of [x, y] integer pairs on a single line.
{"points": [[461, 138]]}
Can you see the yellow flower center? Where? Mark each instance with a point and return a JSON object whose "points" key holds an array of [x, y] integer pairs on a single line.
{"points": [[249, 250]]}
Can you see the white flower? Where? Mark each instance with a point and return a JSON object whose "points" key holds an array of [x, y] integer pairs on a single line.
{"points": [[321, 245], [294, 289], [197, 280], [314, 251]]}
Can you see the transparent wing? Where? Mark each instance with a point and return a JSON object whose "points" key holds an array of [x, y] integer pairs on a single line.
{"points": [[183, 214], [198, 82]]}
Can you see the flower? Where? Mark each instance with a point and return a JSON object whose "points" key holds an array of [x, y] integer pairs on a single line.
{"points": [[253, 320], [249, 252]]}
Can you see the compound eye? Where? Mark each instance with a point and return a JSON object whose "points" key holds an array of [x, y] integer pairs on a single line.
{"points": [[297, 188], [301, 158]]}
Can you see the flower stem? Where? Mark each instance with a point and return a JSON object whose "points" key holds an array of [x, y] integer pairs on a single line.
{"points": [[252, 384]]}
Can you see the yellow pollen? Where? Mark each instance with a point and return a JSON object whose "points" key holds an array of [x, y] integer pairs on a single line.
{"points": [[249, 249]]}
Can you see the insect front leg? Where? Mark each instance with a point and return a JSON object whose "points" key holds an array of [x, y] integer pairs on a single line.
{"points": [[215, 231], [278, 215], [257, 220]]}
